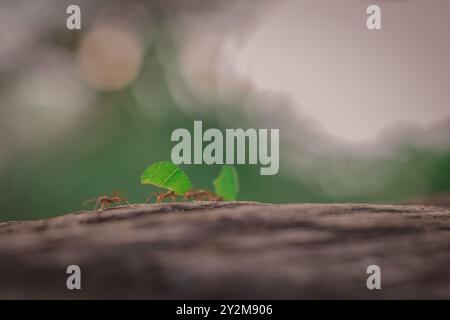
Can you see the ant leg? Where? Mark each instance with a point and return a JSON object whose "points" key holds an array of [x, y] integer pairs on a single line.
{"points": [[161, 197], [151, 195], [171, 195]]}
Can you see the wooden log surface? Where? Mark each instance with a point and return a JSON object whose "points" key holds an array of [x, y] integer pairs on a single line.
{"points": [[230, 250]]}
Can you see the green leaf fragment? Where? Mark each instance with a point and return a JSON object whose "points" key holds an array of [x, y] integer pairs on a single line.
{"points": [[167, 175], [226, 184]]}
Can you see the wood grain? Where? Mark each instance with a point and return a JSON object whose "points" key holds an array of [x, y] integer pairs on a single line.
{"points": [[230, 250]]}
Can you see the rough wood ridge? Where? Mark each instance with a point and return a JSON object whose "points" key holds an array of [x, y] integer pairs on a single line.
{"points": [[230, 250]]}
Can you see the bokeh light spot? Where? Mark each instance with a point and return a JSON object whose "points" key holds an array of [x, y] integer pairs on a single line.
{"points": [[110, 57]]}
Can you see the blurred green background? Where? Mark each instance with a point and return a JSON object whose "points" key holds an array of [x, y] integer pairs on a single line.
{"points": [[79, 120]]}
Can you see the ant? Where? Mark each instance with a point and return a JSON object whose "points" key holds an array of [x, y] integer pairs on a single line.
{"points": [[106, 201], [197, 195], [202, 195], [160, 197]]}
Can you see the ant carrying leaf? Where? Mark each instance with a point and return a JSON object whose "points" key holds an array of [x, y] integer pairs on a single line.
{"points": [[168, 176], [105, 201]]}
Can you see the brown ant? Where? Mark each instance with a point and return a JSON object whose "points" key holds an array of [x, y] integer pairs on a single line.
{"points": [[197, 195], [202, 195], [106, 201], [160, 197]]}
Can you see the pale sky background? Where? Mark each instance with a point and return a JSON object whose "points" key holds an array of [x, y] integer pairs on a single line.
{"points": [[352, 81]]}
